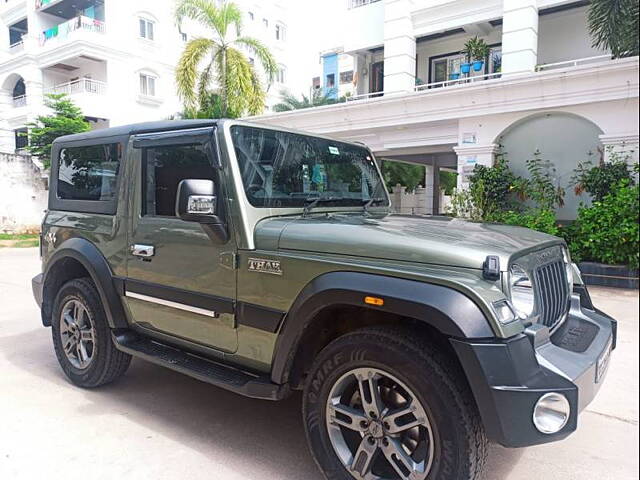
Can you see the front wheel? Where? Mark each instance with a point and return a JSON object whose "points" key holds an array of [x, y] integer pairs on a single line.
{"points": [[381, 404]]}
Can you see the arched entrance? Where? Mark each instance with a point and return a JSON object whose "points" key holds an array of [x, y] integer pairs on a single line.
{"points": [[565, 139]]}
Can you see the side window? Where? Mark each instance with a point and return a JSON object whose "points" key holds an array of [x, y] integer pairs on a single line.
{"points": [[163, 168], [88, 173]]}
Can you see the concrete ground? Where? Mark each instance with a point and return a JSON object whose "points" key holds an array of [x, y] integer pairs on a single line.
{"points": [[157, 424]]}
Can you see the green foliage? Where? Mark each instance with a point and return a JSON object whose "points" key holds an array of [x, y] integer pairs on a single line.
{"points": [[406, 174], [288, 101], [494, 188], [210, 106], [599, 180], [475, 49], [607, 232], [448, 181], [239, 88], [540, 187], [540, 219], [66, 119], [613, 25]]}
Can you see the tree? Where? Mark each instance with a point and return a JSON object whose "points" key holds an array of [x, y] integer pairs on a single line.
{"points": [[66, 119], [406, 174], [613, 25], [237, 81], [289, 101]]}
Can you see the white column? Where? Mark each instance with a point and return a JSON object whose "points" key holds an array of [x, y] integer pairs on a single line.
{"points": [[471, 155], [399, 47], [621, 145], [519, 36], [429, 186]]}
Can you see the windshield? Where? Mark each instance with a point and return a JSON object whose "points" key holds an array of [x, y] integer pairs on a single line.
{"points": [[281, 169]]}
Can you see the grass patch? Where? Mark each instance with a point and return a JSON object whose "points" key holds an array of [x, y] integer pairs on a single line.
{"points": [[19, 241]]}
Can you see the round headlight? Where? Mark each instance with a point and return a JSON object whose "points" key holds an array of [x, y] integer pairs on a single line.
{"points": [[551, 413], [521, 291]]}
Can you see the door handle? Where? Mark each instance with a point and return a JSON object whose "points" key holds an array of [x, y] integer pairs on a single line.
{"points": [[145, 251]]}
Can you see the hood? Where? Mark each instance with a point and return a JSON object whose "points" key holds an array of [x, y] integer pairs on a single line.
{"points": [[428, 240]]}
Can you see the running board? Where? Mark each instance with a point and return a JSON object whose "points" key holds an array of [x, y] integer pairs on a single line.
{"points": [[217, 374]]}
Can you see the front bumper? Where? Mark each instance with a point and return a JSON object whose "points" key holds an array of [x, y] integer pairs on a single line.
{"points": [[508, 377]]}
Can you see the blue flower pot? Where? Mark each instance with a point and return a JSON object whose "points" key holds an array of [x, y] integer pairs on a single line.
{"points": [[454, 76], [477, 65], [465, 67]]}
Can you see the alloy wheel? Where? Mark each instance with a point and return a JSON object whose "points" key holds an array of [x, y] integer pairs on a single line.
{"points": [[77, 334], [378, 428]]}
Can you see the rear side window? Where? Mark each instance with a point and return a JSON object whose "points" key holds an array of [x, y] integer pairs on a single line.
{"points": [[164, 168], [88, 173]]}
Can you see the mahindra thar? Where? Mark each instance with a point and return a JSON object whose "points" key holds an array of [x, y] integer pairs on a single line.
{"points": [[264, 261]]}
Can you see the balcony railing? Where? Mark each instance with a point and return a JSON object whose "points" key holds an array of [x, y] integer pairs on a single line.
{"points": [[16, 47], [83, 23], [572, 63], [360, 3], [84, 85], [19, 101]]}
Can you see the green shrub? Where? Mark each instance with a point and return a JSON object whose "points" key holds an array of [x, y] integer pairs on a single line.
{"points": [[608, 232], [542, 220], [599, 180]]}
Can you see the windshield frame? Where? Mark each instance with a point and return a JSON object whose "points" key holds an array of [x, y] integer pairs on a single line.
{"points": [[249, 216]]}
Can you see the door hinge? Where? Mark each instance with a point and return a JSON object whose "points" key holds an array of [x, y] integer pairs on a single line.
{"points": [[230, 260]]}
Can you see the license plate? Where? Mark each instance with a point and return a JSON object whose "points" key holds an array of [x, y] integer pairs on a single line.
{"points": [[603, 362]]}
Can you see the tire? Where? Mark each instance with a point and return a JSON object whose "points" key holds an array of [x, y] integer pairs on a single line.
{"points": [[92, 360], [409, 372]]}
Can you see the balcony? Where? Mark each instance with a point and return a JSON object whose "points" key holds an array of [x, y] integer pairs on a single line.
{"points": [[16, 48], [20, 101], [72, 27], [360, 3], [77, 87]]}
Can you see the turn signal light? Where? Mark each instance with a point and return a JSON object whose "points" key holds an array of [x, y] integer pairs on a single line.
{"points": [[378, 302]]}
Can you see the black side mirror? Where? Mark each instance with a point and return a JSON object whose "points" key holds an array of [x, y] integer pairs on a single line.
{"points": [[196, 201]]}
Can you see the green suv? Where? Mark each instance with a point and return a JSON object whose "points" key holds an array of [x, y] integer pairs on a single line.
{"points": [[264, 261]]}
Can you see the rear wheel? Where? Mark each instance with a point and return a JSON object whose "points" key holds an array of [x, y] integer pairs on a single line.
{"points": [[82, 337], [381, 404]]}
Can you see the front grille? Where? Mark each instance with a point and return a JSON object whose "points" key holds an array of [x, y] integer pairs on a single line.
{"points": [[552, 292]]}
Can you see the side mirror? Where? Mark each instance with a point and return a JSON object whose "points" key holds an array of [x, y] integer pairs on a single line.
{"points": [[196, 201]]}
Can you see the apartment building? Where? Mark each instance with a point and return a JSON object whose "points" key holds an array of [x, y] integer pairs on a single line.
{"points": [[541, 87], [336, 79], [116, 59]]}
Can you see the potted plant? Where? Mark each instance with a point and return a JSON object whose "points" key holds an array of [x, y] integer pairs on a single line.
{"points": [[480, 53], [468, 52]]}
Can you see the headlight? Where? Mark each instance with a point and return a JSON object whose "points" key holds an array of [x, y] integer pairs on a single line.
{"points": [[521, 291]]}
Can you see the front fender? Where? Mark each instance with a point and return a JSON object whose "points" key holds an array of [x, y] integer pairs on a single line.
{"points": [[92, 260], [449, 311]]}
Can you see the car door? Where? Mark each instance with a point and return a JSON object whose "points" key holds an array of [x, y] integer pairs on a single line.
{"points": [[181, 281]]}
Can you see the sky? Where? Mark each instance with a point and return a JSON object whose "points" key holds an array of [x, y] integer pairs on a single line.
{"points": [[318, 22]]}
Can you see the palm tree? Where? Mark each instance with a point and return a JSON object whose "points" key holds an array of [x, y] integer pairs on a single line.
{"points": [[289, 101], [613, 25], [237, 81]]}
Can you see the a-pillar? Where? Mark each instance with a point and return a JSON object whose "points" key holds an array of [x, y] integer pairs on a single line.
{"points": [[399, 47], [623, 146], [471, 155], [519, 36]]}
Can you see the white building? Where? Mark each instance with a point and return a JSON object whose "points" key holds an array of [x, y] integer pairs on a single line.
{"points": [[541, 87], [115, 58]]}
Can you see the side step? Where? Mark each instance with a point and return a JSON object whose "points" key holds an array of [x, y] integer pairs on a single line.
{"points": [[208, 371]]}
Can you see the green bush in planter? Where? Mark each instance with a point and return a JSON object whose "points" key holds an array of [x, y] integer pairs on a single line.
{"points": [[540, 219], [608, 232]]}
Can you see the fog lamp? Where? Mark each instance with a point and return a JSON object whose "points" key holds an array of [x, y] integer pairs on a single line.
{"points": [[551, 413]]}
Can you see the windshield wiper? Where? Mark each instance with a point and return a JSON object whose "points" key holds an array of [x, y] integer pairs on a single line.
{"points": [[313, 200], [368, 203]]}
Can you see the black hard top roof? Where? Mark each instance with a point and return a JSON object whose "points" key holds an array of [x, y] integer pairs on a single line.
{"points": [[137, 128]]}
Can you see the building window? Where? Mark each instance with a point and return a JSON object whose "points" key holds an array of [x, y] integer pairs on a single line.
{"points": [[147, 85], [280, 32], [252, 61], [281, 74], [265, 22], [315, 82], [183, 36], [146, 28], [330, 81], [251, 16], [346, 77]]}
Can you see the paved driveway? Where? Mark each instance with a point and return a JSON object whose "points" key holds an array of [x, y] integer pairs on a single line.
{"points": [[157, 424]]}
